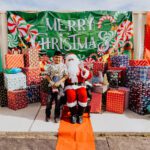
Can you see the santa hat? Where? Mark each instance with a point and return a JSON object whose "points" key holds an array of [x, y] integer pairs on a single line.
{"points": [[73, 57]]}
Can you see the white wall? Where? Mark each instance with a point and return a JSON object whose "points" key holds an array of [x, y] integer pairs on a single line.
{"points": [[139, 20]]}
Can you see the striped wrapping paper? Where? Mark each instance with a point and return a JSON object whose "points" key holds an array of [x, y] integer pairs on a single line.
{"points": [[141, 73], [33, 93], [115, 101], [1, 79], [97, 66], [139, 98], [138, 62], [96, 103], [17, 99], [120, 61], [33, 76], [43, 97], [14, 61], [3, 97], [32, 58], [15, 81]]}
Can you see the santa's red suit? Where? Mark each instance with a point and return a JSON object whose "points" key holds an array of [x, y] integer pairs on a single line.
{"points": [[76, 90]]}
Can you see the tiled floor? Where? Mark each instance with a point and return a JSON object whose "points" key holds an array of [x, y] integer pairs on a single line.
{"points": [[31, 119]]}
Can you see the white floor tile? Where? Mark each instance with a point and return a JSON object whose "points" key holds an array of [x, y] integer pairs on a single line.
{"points": [[41, 126], [19, 120]]}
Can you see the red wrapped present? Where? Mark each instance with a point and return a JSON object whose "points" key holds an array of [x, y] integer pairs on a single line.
{"points": [[32, 58], [142, 62], [115, 101], [17, 99], [14, 60], [97, 66], [32, 75], [43, 97], [96, 103]]}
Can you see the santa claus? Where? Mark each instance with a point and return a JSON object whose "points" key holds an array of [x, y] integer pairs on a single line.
{"points": [[75, 87]]}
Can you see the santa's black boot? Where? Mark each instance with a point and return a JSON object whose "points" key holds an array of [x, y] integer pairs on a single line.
{"points": [[73, 118], [80, 114]]}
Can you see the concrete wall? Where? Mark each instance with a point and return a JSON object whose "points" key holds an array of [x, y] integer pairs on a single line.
{"points": [[139, 20]]}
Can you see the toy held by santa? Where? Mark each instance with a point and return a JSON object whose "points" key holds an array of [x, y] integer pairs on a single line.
{"points": [[75, 87]]}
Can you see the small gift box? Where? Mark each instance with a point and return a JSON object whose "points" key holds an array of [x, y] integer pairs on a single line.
{"points": [[43, 97], [142, 62], [33, 93]]}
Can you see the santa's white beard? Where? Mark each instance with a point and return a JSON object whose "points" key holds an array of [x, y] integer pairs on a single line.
{"points": [[73, 70]]}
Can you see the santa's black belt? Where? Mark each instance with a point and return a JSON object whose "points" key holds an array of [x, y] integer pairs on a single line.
{"points": [[76, 84]]}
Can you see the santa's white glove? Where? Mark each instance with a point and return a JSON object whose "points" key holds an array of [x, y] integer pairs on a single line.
{"points": [[81, 66]]}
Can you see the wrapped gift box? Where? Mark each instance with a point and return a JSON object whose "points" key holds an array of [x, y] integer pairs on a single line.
{"points": [[139, 98], [17, 99], [33, 76], [120, 61], [123, 74], [33, 93], [14, 60], [114, 78], [139, 73], [15, 81], [115, 101], [32, 58], [3, 97], [1, 79], [96, 103], [138, 62], [99, 88], [43, 97], [97, 66]]}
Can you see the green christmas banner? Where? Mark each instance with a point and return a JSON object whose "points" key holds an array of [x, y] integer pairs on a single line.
{"points": [[88, 34]]}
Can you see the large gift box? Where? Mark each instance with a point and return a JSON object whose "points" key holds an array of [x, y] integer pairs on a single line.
{"points": [[120, 61], [1, 79], [138, 62], [96, 103], [33, 93], [139, 73], [115, 101], [17, 99], [14, 60], [32, 58], [33, 76], [15, 81], [3, 96], [97, 66], [139, 98], [43, 97]]}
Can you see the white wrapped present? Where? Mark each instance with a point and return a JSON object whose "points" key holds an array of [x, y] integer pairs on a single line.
{"points": [[100, 88], [15, 81]]}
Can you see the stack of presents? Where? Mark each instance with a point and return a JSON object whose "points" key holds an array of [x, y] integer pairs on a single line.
{"points": [[119, 85], [19, 89]]}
